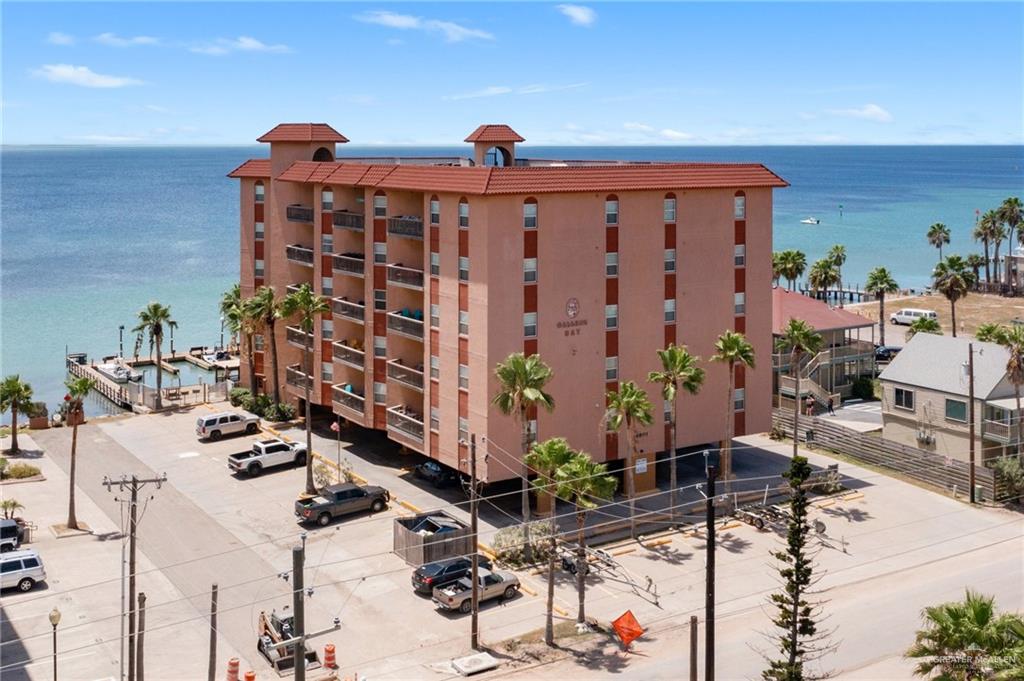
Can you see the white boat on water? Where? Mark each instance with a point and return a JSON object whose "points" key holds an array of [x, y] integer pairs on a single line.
{"points": [[119, 373], [811, 221]]}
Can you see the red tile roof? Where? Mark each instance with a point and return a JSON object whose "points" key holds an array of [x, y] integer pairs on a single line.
{"points": [[254, 167], [303, 132], [494, 133], [788, 305]]}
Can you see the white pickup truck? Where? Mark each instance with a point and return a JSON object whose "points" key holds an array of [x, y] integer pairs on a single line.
{"points": [[267, 454]]}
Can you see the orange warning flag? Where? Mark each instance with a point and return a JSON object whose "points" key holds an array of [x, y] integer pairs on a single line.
{"points": [[628, 628]]}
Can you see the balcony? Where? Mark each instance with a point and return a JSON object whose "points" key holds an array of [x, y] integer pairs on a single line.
{"points": [[299, 213], [346, 354], [409, 226], [406, 375], [350, 263], [346, 309], [406, 324], [302, 255], [999, 431], [344, 397], [406, 422], [298, 337], [292, 288], [405, 276], [297, 378], [347, 220]]}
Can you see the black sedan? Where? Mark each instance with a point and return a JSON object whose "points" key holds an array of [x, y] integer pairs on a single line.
{"points": [[436, 474], [428, 577], [885, 353]]}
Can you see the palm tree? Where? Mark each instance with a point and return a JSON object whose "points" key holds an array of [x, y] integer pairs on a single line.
{"points": [[998, 235], [777, 267], [78, 388], [678, 369], [522, 380], [983, 233], [580, 481], [990, 332], [545, 458], [732, 349], [823, 274], [230, 306], [1013, 340], [309, 307], [628, 407], [880, 282], [953, 279], [975, 261], [793, 264], [248, 326], [938, 236], [152, 320], [266, 308], [924, 325], [837, 254], [799, 339], [16, 396], [1010, 215]]}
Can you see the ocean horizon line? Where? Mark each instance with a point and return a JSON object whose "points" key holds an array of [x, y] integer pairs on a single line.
{"points": [[426, 145]]}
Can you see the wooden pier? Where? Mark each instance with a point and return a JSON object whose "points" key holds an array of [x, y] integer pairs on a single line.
{"points": [[78, 366]]}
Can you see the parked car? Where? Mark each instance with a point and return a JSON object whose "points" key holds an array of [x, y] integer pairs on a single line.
{"points": [[459, 595], [907, 315], [11, 534], [216, 426], [267, 454], [437, 474], [885, 353], [21, 570], [343, 499], [429, 576]]}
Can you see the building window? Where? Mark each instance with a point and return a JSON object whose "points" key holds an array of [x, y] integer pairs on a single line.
{"points": [[739, 207], [327, 243], [327, 286], [739, 303], [380, 346], [327, 329], [435, 421], [435, 264], [739, 396], [463, 430], [904, 399], [530, 324], [435, 315], [463, 322], [326, 372], [530, 215], [257, 342], [464, 376], [380, 206], [463, 214], [670, 209], [380, 393], [259, 230], [380, 299], [327, 200], [670, 260], [463, 268], [258, 269], [611, 212], [611, 316], [435, 366], [257, 192], [740, 255], [529, 270], [435, 212], [670, 311], [956, 410], [380, 252], [611, 264], [611, 368]]}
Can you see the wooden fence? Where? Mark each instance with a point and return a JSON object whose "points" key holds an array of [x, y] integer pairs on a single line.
{"points": [[931, 469]]}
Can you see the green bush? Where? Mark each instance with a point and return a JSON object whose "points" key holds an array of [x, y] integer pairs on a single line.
{"points": [[863, 388], [19, 471], [281, 411], [259, 405], [509, 543], [1010, 471], [37, 409], [238, 396]]}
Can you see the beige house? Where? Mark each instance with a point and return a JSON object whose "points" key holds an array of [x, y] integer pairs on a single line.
{"points": [[925, 400]]}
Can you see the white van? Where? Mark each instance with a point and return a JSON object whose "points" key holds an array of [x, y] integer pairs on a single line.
{"points": [[906, 316], [21, 569]]}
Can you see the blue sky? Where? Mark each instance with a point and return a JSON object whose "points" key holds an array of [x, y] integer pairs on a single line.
{"points": [[587, 73]]}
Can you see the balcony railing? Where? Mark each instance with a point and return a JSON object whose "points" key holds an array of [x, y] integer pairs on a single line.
{"points": [[293, 288], [347, 220], [299, 213], [405, 325], [349, 310], [406, 375], [300, 254], [406, 421], [405, 276], [406, 225], [999, 431], [297, 336], [296, 378], [348, 355], [350, 263], [347, 399]]}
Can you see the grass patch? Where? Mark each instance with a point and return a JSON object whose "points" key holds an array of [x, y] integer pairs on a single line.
{"points": [[19, 471], [5, 431]]}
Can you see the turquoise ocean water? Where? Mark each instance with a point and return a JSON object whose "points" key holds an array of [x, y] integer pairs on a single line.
{"points": [[88, 235]]}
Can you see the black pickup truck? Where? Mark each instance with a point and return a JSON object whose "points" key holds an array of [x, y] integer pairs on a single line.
{"points": [[336, 500]]}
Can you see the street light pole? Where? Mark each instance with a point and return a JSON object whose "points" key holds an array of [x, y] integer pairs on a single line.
{"points": [[222, 332], [55, 620], [709, 592], [120, 341], [970, 415]]}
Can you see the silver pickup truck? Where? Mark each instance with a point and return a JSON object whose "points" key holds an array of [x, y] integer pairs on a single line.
{"points": [[459, 596], [267, 454]]}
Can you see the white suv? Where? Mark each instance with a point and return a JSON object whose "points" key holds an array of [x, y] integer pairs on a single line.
{"points": [[21, 569], [216, 426]]}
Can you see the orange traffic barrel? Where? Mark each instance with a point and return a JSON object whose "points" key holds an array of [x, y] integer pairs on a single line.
{"points": [[233, 669], [250, 675], [329, 661]]}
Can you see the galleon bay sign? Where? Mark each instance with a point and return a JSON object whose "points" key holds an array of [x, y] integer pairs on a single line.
{"points": [[571, 327]]}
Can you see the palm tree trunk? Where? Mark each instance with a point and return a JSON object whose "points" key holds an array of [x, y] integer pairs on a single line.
{"points": [[726, 458], [159, 374], [581, 567], [839, 284], [995, 260], [672, 460], [250, 356], [549, 624], [797, 402], [524, 496], [988, 269], [72, 518], [1020, 418], [631, 477], [308, 352], [14, 427], [881, 318], [952, 316], [273, 358], [1009, 252]]}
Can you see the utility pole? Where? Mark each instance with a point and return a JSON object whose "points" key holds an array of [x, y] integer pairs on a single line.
{"points": [[709, 592], [474, 633], [970, 409], [211, 673], [141, 673], [133, 484], [693, 648], [299, 608]]}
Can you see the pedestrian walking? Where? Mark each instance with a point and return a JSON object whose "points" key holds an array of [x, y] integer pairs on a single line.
{"points": [[809, 405], [831, 407]]}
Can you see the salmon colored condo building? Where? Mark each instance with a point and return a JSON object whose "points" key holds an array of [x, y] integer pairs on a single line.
{"points": [[439, 268]]}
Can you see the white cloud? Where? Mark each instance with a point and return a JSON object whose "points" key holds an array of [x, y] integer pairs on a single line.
{"points": [[490, 91], [82, 76], [578, 14], [495, 90], [638, 127], [539, 89], [868, 112], [243, 43], [58, 38], [675, 135], [107, 138], [114, 40], [363, 100], [155, 108], [452, 32]]}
